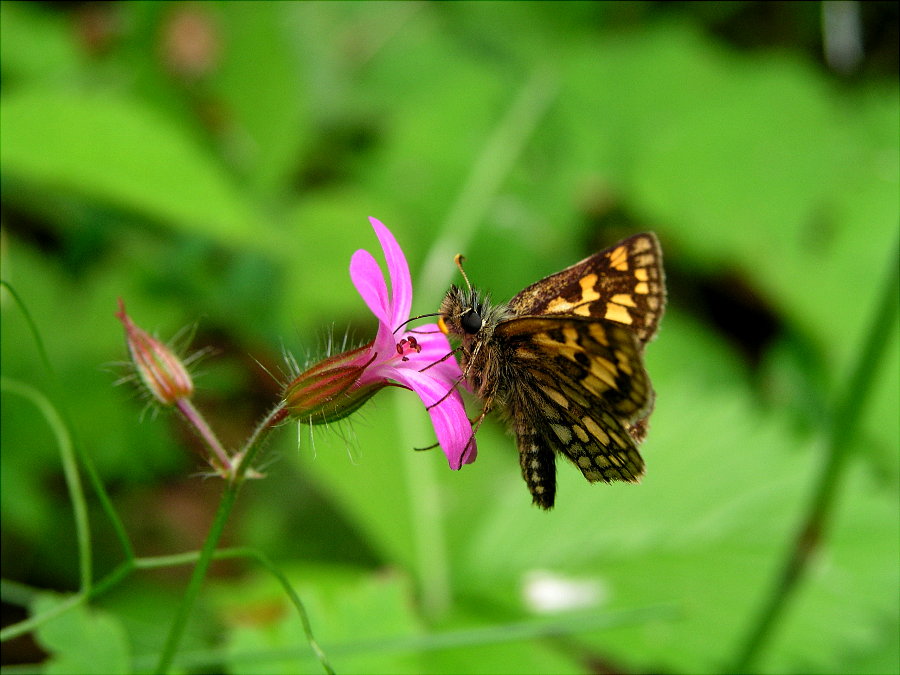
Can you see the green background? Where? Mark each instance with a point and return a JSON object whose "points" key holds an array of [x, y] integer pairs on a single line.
{"points": [[214, 165]]}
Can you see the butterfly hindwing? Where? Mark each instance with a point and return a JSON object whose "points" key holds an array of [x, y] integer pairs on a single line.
{"points": [[594, 363], [594, 440]]}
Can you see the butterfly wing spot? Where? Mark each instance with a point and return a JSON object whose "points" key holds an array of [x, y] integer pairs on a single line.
{"points": [[644, 260], [616, 312], [580, 432], [594, 430], [595, 330], [618, 258], [588, 285], [641, 243], [624, 299], [624, 363], [601, 377], [641, 274], [559, 305], [564, 434], [556, 396]]}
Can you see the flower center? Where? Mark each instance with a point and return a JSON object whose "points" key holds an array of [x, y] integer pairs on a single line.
{"points": [[407, 346]]}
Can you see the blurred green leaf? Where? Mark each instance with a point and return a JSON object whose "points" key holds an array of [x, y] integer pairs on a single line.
{"points": [[82, 640], [268, 97], [117, 151], [22, 28], [346, 607]]}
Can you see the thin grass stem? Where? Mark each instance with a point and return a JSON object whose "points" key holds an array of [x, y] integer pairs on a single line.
{"points": [[845, 421]]}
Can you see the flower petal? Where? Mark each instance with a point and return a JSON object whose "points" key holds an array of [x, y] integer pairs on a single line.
{"points": [[398, 269], [451, 425], [369, 281], [435, 353]]}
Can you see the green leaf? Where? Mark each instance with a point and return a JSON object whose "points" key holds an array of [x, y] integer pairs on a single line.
{"points": [[261, 81], [22, 27], [354, 612], [81, 640], [117, 151]]}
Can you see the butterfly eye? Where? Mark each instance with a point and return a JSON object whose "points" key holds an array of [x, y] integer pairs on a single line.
{"points": [[471, 322]]}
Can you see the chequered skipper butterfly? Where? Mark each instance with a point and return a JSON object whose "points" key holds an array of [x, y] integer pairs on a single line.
{"points": [[563, 362]]}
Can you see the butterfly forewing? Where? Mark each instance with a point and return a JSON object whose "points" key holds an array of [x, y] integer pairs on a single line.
{"points": [[624, 283]]}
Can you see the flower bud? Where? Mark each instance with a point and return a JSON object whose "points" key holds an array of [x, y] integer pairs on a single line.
{"points": [[333, 388], [160, 369]]}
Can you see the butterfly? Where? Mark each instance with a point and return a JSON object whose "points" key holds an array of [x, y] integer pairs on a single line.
{"points": [[563, 362]]}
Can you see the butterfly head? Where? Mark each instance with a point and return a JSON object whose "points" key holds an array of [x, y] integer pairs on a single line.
{"points": [[467, 313], [462, 313]]}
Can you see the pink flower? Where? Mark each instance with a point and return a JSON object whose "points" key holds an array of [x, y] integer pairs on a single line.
{"points": [[415, 360]]}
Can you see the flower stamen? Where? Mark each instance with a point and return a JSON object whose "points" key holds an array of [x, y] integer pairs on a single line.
{"points": [[407, 345]]}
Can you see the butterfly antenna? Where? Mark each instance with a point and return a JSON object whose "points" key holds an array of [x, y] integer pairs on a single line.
{"points": [[415, 318], [458, 259]]}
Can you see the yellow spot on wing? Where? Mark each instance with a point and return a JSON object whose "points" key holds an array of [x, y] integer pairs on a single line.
{"points": [[618, 313], [588, 292], [642, 288], [559, 305], [641, 245], [640, 274], [618, 258], [604, 371], [564, 434], [624, 365], [595, 430], [597, 332], [556, 396], [623, 299]]}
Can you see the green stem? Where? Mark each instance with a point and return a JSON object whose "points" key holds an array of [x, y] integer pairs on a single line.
{"points": [[196, 420], [207, 553], [70, 471], [221, 554], [176, 632], [83, 457], [847, 412]]}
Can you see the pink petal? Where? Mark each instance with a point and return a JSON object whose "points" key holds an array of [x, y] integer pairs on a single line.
{"points": [[451, 425], [369, 281], [435, 344], [398, 269], [435, 347]]}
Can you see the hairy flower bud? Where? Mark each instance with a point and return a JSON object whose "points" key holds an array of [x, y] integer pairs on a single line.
{"points": [[333, 388], [160, 369]]}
